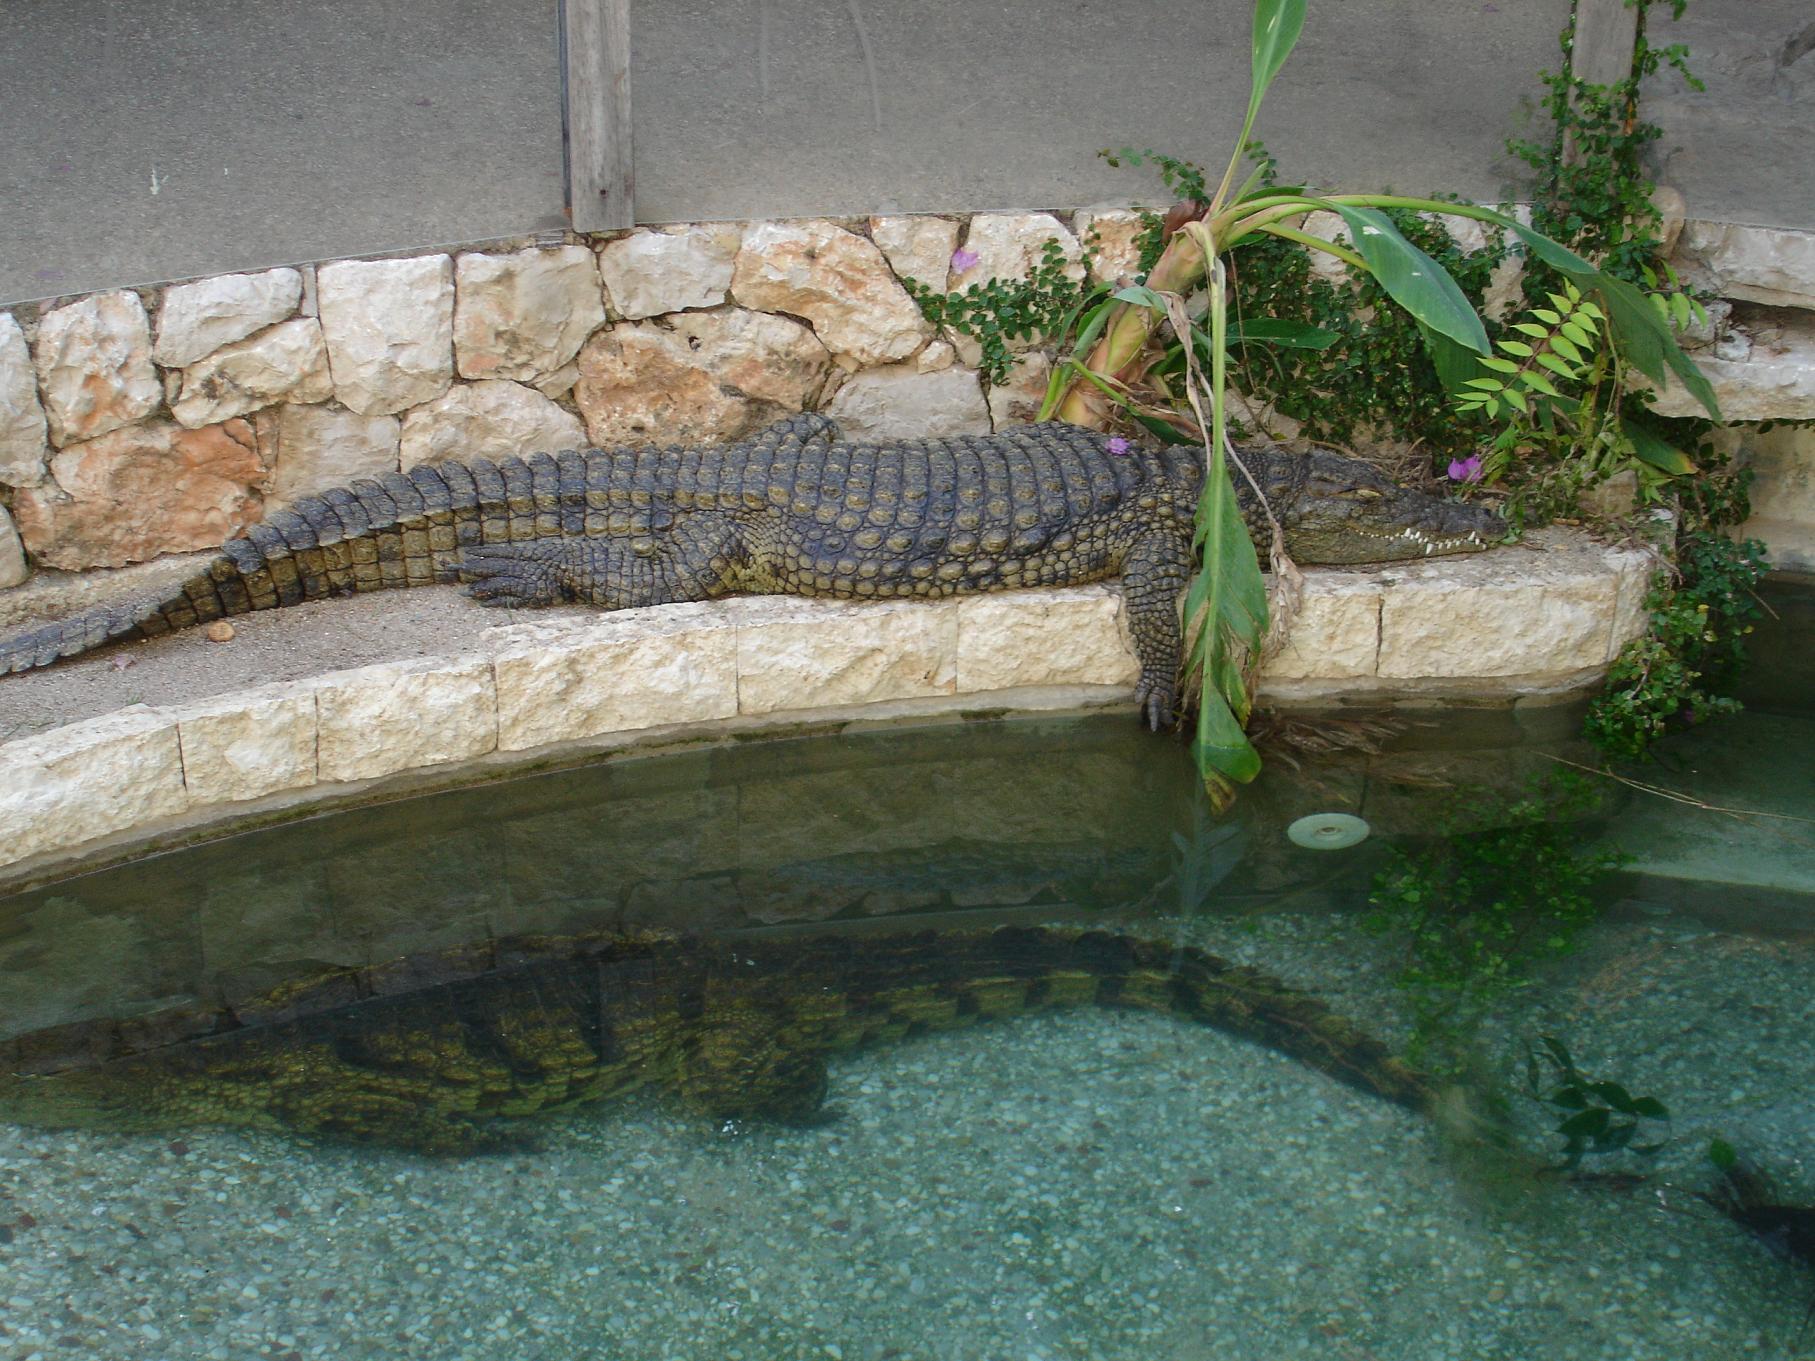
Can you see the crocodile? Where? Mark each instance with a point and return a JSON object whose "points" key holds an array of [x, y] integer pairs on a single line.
{"points": [[739, 1029], [796, 510]]}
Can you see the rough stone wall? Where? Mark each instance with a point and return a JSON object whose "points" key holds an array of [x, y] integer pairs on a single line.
{"points": [[141, 422]]}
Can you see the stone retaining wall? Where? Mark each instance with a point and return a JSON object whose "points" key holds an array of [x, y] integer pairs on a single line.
{"points": [[1536, 621]]}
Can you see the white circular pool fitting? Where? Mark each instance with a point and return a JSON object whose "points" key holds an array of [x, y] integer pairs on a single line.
{"points": [[1328, 831]]}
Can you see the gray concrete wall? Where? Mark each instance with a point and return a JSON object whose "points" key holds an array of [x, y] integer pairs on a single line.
{"points": [[1744, 149], [754, 108], [171, 138], [162, 139]]}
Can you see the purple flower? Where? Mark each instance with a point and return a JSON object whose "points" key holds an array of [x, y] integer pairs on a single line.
{"points": [[1466, 469], [964, 259], [1118, 445]]}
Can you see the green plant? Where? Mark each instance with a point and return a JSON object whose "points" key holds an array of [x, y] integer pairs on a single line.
{"points": [[1475, 911], [997, 313], [1692, 647], [1593, 192], [1124, 339], [1594, 1116]]}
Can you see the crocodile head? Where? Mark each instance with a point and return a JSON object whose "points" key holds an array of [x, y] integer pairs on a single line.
{"points": [[1346, 511]]}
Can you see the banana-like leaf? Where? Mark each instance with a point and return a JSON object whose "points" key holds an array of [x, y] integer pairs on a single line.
{"points": [[1292, 335], [1227, 600], [1411, 278], [1455, 364], [1277, 24], [1650, 447]]}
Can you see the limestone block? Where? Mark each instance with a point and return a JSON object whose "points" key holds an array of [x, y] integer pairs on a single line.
{"points": [[640, 669], [1336, 632], [248, 743], [937, 355], [1071, 636], [389, 325], [559, 383], [12, 553], [288, 363], [901, 402], [705, 377], [1633, 570], [377, 720], [195, 320], [1774, 380], [136, 493], [24, 444], [1769, 265], [670, 269], [917, 248], [312, 448], [94, 366], [1017, 402], [838, 281], [523, 315], [1010, 245], [87, 780], [802, 654], [490, 419], [1499, 614], [1114, 236]]}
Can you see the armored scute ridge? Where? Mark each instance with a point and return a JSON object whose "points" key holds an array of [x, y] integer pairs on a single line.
{"points": [[797, 510], [737, 1029]]}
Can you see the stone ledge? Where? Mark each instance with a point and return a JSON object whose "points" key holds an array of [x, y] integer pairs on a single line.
{"points": [[1540, 619]]}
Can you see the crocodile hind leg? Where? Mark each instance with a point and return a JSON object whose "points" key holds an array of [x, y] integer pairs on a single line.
{"points": [[1154, 574], [692, 560]]}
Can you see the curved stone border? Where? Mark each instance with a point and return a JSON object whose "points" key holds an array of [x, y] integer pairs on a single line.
{"points": [[1545, 618]]}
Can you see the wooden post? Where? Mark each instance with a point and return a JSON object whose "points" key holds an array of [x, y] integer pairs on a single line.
{"points": [[601, 181], [1606, 33]]}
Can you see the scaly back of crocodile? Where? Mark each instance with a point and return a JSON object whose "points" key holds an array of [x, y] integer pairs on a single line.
{"points": [[736, 1029]]}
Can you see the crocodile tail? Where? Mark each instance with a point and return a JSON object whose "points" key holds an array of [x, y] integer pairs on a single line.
{"points": [[1184, 981], [401, 529]]}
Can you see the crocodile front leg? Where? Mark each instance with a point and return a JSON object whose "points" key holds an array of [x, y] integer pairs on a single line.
{"points": [[692, 561], [1154, 575]]}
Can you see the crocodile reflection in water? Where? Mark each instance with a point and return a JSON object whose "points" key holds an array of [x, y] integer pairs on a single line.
{"points": [[736, 1028]]}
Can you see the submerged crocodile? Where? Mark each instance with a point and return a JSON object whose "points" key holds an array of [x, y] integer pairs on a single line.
{"points": [[797, 510], [737, 1029]]}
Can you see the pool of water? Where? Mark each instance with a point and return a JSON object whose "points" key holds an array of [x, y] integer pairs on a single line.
{"points": [[1074, 1182]]}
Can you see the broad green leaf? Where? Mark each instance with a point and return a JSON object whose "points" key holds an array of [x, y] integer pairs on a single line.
{"points": [[1455, 364], [1650, 447], [1140, 296], [1557, 366], [1585, 1125], [1283, 332], [1537, 382], [1277, 24], [1485, 384], [1532, 329], [1651, 1108], [1516, 398], [1412, 279], [1722, 1154], [1545, 315], [1518, 347], [1566, 347], [1580, 330], [1497, 364]]}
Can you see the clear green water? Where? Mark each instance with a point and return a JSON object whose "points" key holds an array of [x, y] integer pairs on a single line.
{"points": [[1073, 1184]]}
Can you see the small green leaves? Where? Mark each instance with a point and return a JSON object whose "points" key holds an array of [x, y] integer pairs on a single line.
{"points": [[1598, 1116]]}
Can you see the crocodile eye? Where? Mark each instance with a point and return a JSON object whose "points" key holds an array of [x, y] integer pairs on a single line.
{"points": [[1367, 493]]}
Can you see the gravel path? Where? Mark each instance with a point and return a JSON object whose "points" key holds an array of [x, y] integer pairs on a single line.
{"points": [[1070, 1186]]}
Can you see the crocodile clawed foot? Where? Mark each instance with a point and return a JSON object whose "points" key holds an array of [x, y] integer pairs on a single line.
{"points": [[513, 575], [1156, 699]]}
